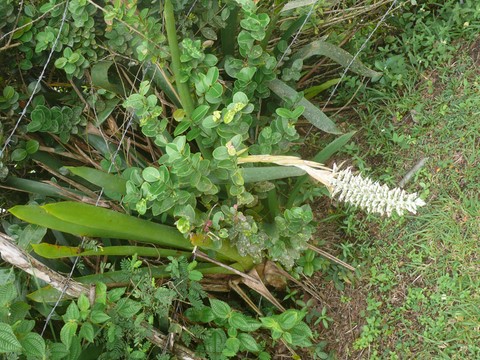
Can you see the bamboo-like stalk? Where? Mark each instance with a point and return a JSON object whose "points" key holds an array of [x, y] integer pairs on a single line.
{"points": [[182, 88]]}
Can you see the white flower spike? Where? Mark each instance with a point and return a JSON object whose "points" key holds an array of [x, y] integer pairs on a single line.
{"points": [[349, 188], [371, 196]]}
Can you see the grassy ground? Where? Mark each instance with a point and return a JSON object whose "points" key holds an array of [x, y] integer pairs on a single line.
{"points": [[417, 291]]}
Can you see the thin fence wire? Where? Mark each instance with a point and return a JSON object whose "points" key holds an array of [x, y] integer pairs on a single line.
{"points": [[40, 78], [297, 34]]}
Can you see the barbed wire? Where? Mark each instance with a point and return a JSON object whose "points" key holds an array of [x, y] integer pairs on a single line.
{"points": [[297, 34], [40, 78]]}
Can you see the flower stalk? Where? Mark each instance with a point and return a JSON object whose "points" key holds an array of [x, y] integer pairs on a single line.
{"points": [[349, 188]]}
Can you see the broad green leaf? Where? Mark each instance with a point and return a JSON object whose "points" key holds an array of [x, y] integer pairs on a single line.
{"points": [[72, 313], [87, 332], [214, 94], [98, 317], [58, 351], [337, 54], [220, 308], [313, 114], [83, 303], [248, 342], [215, 343], [203, 314], [127, 307], [199, 113], [106, 76], [8, 341], [32, 234], [8, 293], [33, 345], [68, 332], [288, 319], [232, 345], [241, 322], [151, 174]]}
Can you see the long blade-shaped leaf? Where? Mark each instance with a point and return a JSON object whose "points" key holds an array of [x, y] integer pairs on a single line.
{"points": [[337, 54], [88, 220], [267, 173], [313, 114], [50, 251], [102, 179]]}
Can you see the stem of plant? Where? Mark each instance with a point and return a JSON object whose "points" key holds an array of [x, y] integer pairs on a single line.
{"points": [[229, 32], [182, 88]]}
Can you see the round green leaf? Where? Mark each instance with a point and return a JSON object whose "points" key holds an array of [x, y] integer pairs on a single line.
{"points": [[151, 174], [19, 154], [61, 62], [8, 92], [32, 146]]}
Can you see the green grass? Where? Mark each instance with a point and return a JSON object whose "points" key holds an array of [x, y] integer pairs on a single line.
{"points": [[421, 273]]}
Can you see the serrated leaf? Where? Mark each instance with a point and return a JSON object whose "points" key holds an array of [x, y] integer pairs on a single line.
{"points": [[72, 313], [8, 341], [220, 308], [98, 317], [33, 345], [87, 332], [8, 293], [83, 303], [68, 333], [232, 345], [288, 319], [241, 322], [58, 351], [248, 342], [127, 307], [203, 314], [215, 343]]}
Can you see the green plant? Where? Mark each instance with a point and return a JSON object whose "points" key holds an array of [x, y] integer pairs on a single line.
{"points": [[160, 136]]}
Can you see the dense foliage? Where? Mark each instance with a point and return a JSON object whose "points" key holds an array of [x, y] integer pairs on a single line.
{"points": [[139, 122]]}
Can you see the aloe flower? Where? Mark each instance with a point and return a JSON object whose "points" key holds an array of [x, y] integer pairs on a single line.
{"points": [[371, 196], [346, 187]]}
